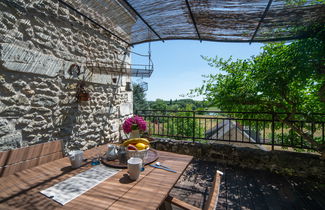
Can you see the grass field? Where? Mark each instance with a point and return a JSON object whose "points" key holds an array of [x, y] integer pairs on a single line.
{"points": [[212, 109]]}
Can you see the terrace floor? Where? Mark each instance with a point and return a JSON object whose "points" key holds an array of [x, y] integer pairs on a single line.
{"points": [[248, 189]]}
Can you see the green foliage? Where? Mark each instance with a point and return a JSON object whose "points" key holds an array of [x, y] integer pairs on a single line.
{"points": [[176, 105], [139, 98], [303, 2], [182, 125], [179, 104], [285, 77], [288, 139], [159, 104]]}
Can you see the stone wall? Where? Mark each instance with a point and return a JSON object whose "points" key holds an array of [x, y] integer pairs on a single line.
{"points": [[39, 40], [283, 162]]}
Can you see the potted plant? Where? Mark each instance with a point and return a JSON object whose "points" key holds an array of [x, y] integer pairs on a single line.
{"points": [[82, 94], [134, 125]]}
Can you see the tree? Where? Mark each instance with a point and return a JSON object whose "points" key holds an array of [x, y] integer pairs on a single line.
{"points": [[183, 125], [139, 98], [159, 104], [285, 77]]}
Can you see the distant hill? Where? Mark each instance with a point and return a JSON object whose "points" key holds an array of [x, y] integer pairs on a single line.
{"points": [[178, 104]]}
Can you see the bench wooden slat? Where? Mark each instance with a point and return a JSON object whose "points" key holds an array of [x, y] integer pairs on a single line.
{"points": [[11, 169], [23, 158], [3, 158], [30, 152]]}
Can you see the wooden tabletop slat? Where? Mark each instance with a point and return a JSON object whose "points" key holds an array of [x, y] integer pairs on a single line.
{"points": [[151, 191], [106, 193], [27, 179], [22, 189]]}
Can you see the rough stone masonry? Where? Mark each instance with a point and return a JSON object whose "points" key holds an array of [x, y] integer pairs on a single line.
{"points": [[39, 40]]}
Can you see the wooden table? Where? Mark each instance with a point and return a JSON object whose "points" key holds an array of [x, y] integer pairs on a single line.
{"points": [[22, 190]]}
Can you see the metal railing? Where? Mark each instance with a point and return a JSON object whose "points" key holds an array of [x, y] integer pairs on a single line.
{"points": [[261, 128]]}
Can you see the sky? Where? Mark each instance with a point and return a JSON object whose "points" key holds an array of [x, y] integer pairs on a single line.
{"points": [[178, 66]]}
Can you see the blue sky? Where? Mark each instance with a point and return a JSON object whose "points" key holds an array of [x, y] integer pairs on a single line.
{"points": [[178, 66]]}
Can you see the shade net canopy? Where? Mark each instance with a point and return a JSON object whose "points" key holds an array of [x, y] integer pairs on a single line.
{"points": [[138, 21]]}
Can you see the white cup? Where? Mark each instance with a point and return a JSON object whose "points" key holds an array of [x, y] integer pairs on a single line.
{"points": [[134, 168], [76, 158]]}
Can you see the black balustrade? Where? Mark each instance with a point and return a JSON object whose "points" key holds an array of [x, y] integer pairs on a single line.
{"points": [[263, 128]]}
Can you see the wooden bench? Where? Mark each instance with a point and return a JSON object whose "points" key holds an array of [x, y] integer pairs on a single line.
{"points": [[212, 199], [12, 161]]}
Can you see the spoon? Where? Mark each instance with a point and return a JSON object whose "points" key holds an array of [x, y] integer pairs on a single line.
{"points": [[167, 169], [159, 164]]}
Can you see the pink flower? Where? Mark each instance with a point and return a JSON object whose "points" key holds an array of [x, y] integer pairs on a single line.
{"points": [[134, 123]]}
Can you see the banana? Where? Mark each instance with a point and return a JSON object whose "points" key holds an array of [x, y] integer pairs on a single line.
{"points": [[135, 141]]}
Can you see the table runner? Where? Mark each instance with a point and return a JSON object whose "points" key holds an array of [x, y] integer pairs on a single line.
{"points": [[73, 187]]}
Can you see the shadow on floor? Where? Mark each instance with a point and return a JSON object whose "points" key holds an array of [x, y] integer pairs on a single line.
{"points": [[248, 189]]}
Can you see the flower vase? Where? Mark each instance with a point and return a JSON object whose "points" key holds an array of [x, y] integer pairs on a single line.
{"points": [[135, 134]]}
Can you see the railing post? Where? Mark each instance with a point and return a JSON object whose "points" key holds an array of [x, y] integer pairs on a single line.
{"points": [[193, 134], [273, 129]]}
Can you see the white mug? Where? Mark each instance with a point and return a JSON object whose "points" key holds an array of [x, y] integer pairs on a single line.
{"points": [[76, 158], [134, 168]]}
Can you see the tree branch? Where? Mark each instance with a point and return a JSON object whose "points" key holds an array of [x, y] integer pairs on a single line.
{"points": [[305, 136], [321, 93]]}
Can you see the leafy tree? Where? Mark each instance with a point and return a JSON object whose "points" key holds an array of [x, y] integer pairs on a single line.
{"points": [[159, 104], [176, 105], [139, 98], [285, 77], [182, 125]]}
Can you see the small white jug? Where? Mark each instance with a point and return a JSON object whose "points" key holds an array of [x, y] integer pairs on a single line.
{"points": [[111, 153], [76, 158]]}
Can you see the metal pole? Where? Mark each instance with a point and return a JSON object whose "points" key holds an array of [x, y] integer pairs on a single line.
{"points": [[143, 20], [273, 129], [193, 135], [261, 20]]}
